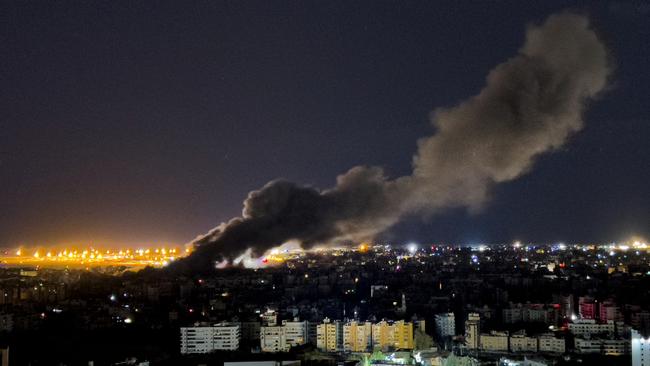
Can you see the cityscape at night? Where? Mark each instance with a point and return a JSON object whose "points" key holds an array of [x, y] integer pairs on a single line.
{"points": [[324, 183]]}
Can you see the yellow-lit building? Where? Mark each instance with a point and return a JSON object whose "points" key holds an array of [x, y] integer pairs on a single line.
{"points": [[397, 335], [329, 336], [494, 341], [357, 337], [382, 335], [403, 334]]}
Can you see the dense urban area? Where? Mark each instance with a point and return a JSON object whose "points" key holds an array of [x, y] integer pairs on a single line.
{"points": [[510, 304]]}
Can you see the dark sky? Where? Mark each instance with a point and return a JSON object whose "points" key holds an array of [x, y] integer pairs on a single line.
{"points": [[149, 121]]}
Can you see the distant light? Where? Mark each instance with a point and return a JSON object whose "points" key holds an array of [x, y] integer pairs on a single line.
{"points": [[128, 320], [412, 248], [113, 297]]}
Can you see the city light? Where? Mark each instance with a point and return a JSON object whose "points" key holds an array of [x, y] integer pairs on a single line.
{"points": [[93, 257]]}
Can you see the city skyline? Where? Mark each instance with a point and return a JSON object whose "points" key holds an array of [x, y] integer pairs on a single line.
{"points": [[324, 183]]}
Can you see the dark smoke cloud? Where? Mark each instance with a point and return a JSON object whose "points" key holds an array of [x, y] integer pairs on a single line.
{"points": [[530, 105]]}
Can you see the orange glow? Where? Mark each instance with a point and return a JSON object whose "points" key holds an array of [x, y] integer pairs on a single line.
{"points": [[92, 257], [364, 247]]}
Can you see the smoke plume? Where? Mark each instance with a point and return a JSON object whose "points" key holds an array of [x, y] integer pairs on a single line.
{"points": [[530, 105]]}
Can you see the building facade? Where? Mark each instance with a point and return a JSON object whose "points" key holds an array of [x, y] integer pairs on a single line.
{"points": [[220, 337], [329, 336], [273, 339], [357, 337], [523, 343], [445, 325], [494, 341], [549, 343], [640, 349], [472, 331]]}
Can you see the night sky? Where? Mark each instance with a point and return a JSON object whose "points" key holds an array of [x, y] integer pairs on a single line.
{"points": [[149, 121]]}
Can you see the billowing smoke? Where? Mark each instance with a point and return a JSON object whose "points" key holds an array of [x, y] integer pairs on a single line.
{"points": [[530, 105]]}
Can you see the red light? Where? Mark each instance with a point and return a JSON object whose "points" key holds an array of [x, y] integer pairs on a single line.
{"points": [[265, 260]]}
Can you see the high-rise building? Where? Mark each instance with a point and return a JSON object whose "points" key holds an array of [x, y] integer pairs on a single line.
{"points": [[296, 332], [472, 331], [281, 338], [205, 339], [445, 325], [403, 334], [357, 337], [393, 335], [273, 339], [609, 311], [329, 336], [382, 335], [640, 349], [566, 305], [587, 307]]}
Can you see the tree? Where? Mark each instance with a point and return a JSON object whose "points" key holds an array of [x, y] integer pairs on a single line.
{"points": [[422, 340]]}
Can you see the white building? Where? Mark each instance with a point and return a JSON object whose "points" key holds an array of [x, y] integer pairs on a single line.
{"points": [[472, 331], [609, 347], [296, 332], [281, 338], [445, 325], [273, 339], [523, 343], [640, 349], [220, 337], [549, 343], [494, 341], [588, 327]]}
